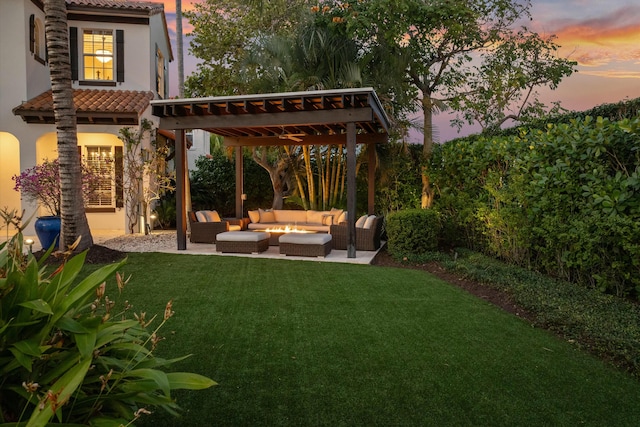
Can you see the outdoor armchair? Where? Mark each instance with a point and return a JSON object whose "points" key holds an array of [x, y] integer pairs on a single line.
{"points": [[367, 239], [206, 231]]}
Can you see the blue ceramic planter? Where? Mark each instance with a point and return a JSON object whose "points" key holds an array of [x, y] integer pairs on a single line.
{"points": [[48, 230]]}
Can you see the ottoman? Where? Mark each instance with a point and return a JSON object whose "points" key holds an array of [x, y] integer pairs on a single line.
{"points": [[303, 244], [245, 242]]}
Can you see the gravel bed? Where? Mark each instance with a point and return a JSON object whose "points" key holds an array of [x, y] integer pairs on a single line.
{"points": [[142, 243]]}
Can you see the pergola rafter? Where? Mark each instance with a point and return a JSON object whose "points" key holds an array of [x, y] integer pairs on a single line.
{"points": [[327, 117]]}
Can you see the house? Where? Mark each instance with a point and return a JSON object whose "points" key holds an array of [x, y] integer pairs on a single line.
{"points": [[120, 53]]}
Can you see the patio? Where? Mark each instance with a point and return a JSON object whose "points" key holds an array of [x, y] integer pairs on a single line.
{"points": [[163, 241]]}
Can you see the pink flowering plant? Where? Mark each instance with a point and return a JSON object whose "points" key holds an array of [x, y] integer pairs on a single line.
{"points": [[42, 183]]}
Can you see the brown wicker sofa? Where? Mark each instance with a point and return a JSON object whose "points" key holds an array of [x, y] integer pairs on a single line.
{"points": [[367, 239], [206, 232]]}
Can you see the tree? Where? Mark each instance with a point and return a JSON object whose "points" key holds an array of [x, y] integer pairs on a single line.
{"points": [[145, 177], [435, 46], [72, 213], [502, 88], [223, 30]]}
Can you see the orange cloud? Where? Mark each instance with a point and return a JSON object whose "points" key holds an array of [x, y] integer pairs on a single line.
{"points": [[600, 41]]}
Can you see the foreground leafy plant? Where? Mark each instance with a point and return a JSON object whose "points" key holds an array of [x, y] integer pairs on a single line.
{"points": [[67, 357]]}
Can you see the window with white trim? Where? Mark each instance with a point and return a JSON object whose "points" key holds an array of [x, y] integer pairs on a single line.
{"points": [[100, 160], [98, 55]]}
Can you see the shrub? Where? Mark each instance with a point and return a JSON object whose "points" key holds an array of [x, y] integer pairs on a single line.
{"points": [[67, 356], [413, 231]]}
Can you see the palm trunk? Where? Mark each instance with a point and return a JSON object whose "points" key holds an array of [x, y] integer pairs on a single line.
{"points": [[74, 219], [427, 191]]}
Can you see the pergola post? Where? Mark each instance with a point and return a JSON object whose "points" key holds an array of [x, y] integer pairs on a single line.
{"points": [[351, 190], [371, 179], [181, 189], [239, 182]]}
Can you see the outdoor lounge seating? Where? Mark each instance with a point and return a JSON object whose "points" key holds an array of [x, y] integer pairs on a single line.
{"points": [[309, 220], [242, 242], [367, 234], [303, 244], [206, 225]]}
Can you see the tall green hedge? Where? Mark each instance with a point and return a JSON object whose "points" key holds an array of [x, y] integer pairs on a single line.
{"points": [[565, 201], [412, 231]]}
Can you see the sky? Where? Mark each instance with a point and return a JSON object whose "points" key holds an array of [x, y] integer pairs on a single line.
{"points": [[603, 37]]}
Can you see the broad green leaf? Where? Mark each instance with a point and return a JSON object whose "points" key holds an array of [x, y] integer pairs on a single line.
{"points": [[65, 387], [29, 347], [86, 343], [84, 288], [38, 305], [114, 331], [70, 325], [23, 359], [189, 381], [159, 377]]}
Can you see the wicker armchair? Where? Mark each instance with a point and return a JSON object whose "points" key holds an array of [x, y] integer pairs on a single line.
{"points": [[366, 239], [206, 232]]}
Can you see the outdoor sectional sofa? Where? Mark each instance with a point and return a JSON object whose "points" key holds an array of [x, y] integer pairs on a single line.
{"points": [[309, 220]]}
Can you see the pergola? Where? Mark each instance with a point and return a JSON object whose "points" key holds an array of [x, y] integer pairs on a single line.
{"points": [[324, 117]]}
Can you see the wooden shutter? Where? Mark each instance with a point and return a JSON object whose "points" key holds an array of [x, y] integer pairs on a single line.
{"points": [[119, 164], [32, 33], [73, 52], [120, 55]]}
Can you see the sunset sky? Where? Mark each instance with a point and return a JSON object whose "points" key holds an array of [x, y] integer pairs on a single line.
{"points": [[604, 37]]}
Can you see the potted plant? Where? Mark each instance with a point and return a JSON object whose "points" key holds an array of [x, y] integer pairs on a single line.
{"points": [[41, 183]]}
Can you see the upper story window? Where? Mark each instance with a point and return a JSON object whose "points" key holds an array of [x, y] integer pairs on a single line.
{"points": [[98, 55], [37, 39]]}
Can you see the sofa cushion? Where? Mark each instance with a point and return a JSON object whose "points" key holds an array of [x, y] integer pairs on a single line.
{"points": [[316, 217], [290, 216], [212, 216], [208, 216], [369, 222], [254, 216], [267, 215], [337, 213], [360, 222], [341, 218]]}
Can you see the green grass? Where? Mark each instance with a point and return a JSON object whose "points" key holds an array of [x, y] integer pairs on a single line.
{"points": [[312, 343]]}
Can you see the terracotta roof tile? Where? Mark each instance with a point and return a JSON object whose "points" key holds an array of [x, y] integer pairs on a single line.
{"points": [[92, 105], [119, 4]]}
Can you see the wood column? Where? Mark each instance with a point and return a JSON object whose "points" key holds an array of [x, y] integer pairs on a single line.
{"points": [[371, 180], [239, 182], [181, 189], [351, 190]]}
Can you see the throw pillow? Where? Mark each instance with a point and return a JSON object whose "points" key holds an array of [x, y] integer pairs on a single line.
{"points": [[254, 216], [201, 217], [360, 222], [266, 215], [342, 218], [337, 213], [369, 222], [212, 216]]}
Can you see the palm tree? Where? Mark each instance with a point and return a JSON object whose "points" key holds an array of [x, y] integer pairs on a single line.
{"points": [[74, 219]]}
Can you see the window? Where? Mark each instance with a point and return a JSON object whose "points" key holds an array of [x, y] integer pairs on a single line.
{"points": [[37, 44], [100, 160], [97, 53]]}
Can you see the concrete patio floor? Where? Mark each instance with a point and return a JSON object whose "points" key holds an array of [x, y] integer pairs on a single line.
{"points": [[165, 241]]}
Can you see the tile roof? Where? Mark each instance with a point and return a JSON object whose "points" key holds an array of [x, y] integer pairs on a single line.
{"points": [[118, 4], [122, 107]]}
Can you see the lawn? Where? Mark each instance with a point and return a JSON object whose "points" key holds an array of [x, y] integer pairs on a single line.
{"points": [[312, 343]]}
